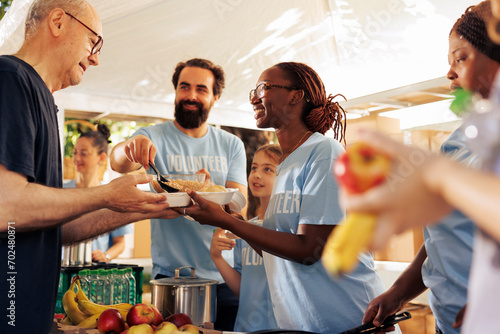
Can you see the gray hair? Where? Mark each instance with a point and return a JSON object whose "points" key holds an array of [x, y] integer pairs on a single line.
{"points": [[40, 9]]}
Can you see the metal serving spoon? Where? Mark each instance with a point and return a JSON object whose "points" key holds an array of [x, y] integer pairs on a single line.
{"points": [[163, 181]]}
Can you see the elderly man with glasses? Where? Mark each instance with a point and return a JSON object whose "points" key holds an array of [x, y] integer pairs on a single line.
{"points": [[62, 40]]}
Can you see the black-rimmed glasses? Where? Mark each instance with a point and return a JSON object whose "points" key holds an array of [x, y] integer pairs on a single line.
{"points": [[98, 45], [259, 90]]}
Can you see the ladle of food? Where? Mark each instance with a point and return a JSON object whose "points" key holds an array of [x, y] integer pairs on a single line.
{"points": [[162, 181]]}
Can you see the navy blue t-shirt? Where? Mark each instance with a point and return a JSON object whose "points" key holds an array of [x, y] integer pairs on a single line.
{"points": [[29, 145]]}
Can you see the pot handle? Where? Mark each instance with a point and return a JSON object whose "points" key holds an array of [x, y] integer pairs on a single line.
{"points": [[178, 269]]}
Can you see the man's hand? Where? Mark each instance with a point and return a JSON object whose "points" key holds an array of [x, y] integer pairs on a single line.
{"points": [[140, 149], [98, 256], [124, 196]]}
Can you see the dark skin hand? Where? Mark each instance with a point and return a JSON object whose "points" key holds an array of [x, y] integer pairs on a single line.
{"points": [[305, 247], [459, 319]]}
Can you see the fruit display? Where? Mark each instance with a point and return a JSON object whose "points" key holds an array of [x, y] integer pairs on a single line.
{"points": [[120, 318], [110, 321], [140, 314], [357, 170], [179, 319]]}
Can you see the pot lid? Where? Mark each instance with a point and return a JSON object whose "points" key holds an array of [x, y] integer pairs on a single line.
{"points": [[178, 280]]}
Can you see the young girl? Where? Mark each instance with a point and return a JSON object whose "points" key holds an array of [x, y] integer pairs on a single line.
{"points": [[248, 277]]}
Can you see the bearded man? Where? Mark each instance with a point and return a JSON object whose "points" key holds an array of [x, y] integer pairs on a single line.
{"points": [[184, 146]]}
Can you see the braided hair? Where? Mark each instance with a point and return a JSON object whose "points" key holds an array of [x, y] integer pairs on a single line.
{"points": [[472, 26], [321, 112], [99, 138]]}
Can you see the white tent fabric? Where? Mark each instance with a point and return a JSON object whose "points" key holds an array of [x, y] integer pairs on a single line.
{"points": [[358, 47]]}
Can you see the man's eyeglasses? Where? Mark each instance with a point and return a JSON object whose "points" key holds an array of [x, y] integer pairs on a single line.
{"points": [[98, 45], [259, 90]]}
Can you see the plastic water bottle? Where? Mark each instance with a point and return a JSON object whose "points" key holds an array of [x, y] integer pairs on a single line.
{"points": [[125, 285], [117, 287], [108, 287], [132, 287], [100, 287], [94, 294], [85, 281]]}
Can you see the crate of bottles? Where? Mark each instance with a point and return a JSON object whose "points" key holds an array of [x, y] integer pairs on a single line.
{"points": [[101, 296]]}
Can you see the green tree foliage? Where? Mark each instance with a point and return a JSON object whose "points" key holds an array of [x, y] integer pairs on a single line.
{"points": [[4, 6]]}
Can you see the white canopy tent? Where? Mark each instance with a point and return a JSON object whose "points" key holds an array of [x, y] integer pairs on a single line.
{"points": [[358, 47]]}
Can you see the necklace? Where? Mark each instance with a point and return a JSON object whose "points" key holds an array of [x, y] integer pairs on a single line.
{"points": [[293, 149]]}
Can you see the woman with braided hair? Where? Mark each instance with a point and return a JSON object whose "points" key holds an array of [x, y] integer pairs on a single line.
{"points": [[303, 209]]}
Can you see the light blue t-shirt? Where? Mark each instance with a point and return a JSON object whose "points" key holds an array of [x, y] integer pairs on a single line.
{"points": [[306, 297], [104, 241], [255, 311], [182, 242], [449, 249]]}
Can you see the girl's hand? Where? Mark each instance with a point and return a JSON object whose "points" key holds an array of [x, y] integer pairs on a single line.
{"points": [[219, 243]]}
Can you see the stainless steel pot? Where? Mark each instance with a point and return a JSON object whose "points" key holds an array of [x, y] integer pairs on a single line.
{"points": [[195, 296]]}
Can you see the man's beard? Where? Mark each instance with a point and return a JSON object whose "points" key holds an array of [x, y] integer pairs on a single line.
{"points": [[190, 119]]}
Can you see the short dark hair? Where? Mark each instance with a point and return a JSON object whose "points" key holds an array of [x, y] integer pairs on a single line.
{"points": [[217, 71]]}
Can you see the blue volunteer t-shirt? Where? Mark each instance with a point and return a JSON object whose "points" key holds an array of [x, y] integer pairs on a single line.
{"points": [[182, 242], [305, 297], [449, 249], [255, 311]]}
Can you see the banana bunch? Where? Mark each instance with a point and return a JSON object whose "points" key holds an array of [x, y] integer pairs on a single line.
{"points": [[70, 305], [347, 240], [83, 312]]}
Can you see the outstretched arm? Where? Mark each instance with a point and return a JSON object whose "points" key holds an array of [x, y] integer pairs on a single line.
{"points": [[98, 222], [33, 206], [304, 247], [422, 188]]}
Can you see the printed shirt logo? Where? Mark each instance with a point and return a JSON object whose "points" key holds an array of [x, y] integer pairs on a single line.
{"points": [[249, 257], [190, 164], [287, 202]]}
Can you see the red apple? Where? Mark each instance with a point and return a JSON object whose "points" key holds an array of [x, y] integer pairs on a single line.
{"points": [[158, 319], [140, 314], [361, 168], [179, 319], [189, 328], [165, 327], [111, 322], [141, 329]]}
